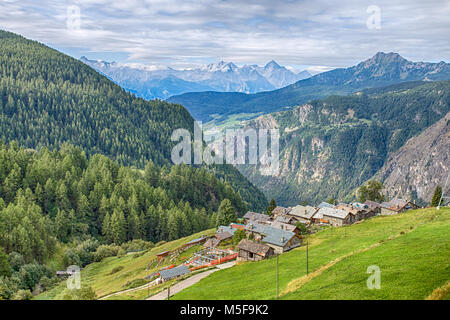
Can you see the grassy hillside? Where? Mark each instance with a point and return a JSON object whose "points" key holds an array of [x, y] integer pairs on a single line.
{"points": [[412, 250], [100, 277]]}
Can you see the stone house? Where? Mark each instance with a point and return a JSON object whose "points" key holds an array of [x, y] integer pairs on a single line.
{"points": [[397, 206], [252, 251]]}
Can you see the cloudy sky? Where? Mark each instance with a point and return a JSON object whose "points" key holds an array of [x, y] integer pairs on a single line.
{"points": [[182, 33]]}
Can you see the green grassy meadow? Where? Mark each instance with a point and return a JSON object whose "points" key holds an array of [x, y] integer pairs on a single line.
{"points": [[98, 275], [412, 250]]}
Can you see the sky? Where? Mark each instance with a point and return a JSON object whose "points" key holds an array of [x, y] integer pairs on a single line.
{"points": [[314, 35]]}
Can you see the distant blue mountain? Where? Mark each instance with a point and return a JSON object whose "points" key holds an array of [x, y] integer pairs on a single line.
{"points": [[221, 76]]}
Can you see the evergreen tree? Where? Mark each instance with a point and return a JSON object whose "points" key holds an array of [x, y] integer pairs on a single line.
{"points": [[371, 191], [436, 197], [226, 213], [272, 205]]}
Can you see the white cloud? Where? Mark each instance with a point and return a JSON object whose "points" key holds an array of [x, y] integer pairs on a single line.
{"points": [[186, 32]]}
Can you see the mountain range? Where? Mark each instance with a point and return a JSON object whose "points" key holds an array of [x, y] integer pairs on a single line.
{"points": [[223, 76], [383, 69]]}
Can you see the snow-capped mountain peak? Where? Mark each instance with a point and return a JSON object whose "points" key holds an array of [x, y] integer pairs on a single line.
{"points": [[162, 82]]}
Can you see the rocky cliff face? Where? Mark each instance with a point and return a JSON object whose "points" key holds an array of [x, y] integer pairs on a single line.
{"points": [[420, 165], [328, 148]]}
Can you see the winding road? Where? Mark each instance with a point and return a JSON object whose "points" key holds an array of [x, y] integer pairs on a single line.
{"points": [[189, 282]]}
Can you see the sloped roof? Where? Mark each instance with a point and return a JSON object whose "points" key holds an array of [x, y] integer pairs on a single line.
{"points": [[212, 242], [325, 205], [277, 236], [372, 204], [253, 247], [280, 210], [305, 212], [174, 272], [283, 226], [163, 253], [271, 234], [223, 235], [255, 227], [226, 229], [283, 219], [202, 238], [349, 208], [394, 204], [254, 216], [332, 212], [359, 205]]}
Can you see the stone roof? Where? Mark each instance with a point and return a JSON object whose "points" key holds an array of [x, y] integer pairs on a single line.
{"points": [[253, 247], [283, 219], [372, 204], [255, 227], [325, 205], [212, 242], [283, 226], [271, 234], [226, 229], [254, 216], [332, 212], [305, 212], [280, 210], [201, 239], [174, 272], [349, 208], [223, 235], [394, 204]]}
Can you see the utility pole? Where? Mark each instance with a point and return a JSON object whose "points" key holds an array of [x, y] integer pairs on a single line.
{"points": [[307, 259], [168, 293], [442, 194], [277, 276]]}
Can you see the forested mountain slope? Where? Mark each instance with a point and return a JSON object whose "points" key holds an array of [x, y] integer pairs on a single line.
{"points": [[330, 147], [59, 208], [48, 98]]}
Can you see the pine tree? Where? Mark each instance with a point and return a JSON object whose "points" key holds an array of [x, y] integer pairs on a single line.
{"points": [[226, 213], [436, 197], [272, 205]]}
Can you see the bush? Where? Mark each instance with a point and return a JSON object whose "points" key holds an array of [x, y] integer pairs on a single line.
{"points": [[85, 293], [135, 283], [105, 251], [238, 236], [116, 269], [81, 255], [31, 274], [16, 260], [121, 253], [47, 283], [23, 295], [5, 267], [137, 245], [71, 257]]}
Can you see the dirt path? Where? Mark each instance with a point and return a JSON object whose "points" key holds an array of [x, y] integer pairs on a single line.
{"points": [[189, 282]]}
